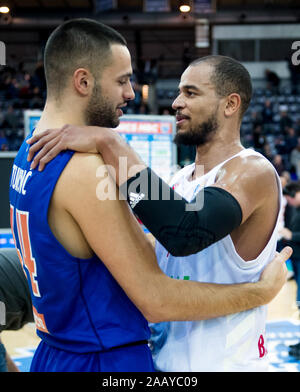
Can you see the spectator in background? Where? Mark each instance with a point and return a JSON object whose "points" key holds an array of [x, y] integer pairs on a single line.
{"points": [[285, 120], [280, 144], [134, 105], [25, 87], [267, 112], [297, 127], [144, 108], [2, 114], [273, 81], [4, 147], [294, 74], [295, 158], [278, 164], [10, 119], [11, 124], [291, 140], [256, 118], [285, 218], [267, 116], [166, 112], [11, 88], [187, 55], [259, 139], [36, 101], [267, 152], [285, 179], [3, 141], [291, 235], [39, 80]]}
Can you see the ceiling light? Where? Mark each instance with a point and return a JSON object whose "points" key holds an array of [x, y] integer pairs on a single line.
{"points": [[4, 10], [185, 8]]}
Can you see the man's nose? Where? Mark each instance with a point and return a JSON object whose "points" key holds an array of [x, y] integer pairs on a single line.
{"points": [[129, 92], [178, 103]]}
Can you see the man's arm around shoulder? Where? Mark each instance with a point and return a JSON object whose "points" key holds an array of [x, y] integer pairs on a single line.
{"points": [[113, 233]]}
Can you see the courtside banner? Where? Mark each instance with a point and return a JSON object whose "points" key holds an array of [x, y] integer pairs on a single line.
{"points": [[151, 136], [144, 126]]}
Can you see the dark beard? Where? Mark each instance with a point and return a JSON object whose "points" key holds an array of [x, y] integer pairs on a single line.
{"points": [[199, 135], [99, 112]]}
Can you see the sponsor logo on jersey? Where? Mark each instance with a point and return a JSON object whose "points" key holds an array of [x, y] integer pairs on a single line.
{"points": [[135, 198]]}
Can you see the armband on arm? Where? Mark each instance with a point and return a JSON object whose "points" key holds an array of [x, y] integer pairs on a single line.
{"points": [[183, 228]]}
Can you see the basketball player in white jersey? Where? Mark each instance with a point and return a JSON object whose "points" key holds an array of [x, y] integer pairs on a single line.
{"points": [[214, 93]]}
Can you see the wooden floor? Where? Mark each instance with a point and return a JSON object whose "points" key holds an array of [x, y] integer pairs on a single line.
{"points": [[282, 307]]}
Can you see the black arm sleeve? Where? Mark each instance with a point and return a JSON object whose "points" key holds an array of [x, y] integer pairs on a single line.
{"points": [[183, 228]]}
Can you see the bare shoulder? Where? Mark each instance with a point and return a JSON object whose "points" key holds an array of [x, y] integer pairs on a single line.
{"points": [[81, 180], [252, 171], [83, 166], [84, 170], [252, 181]]}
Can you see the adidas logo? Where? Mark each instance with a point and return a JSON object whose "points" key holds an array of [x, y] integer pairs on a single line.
{"points": [[135, 198]]}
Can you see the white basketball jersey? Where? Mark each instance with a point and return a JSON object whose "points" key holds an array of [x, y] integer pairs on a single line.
{"points": [[232, 343]]}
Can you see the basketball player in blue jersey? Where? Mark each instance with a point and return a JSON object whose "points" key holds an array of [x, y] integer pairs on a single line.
{"points": [[93, 274]]}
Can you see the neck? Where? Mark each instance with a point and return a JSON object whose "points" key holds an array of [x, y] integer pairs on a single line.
{"points": [[56, 116], [213, 153]]}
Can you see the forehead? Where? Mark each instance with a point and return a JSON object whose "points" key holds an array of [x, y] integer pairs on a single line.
{"points": [[198, 76], [120, 61]]}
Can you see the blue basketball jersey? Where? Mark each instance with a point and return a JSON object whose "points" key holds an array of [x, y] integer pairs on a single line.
{"points": [[78, 306]]}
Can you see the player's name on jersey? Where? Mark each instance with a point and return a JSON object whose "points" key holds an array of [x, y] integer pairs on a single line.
{"points": [[19, 179]]}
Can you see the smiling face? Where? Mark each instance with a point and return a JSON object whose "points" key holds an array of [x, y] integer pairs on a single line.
{"points": [[112, 91], [197, 106]]}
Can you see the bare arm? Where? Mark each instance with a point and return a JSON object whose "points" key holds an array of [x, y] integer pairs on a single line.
{"points": [[90, 139], [115, 236]]}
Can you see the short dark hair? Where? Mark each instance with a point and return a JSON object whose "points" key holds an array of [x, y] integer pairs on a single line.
{"points": [[229, 76], [292, 188], [77, 43]]}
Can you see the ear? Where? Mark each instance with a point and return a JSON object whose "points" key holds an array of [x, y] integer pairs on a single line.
{"points": [[83, 81], [232, 105]]}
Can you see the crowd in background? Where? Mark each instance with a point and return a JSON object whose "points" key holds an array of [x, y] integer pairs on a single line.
{"points": [[271, 125], [19, 90]]}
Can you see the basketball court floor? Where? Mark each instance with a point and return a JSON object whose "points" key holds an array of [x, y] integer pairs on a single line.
{"points": [[283, 329]]}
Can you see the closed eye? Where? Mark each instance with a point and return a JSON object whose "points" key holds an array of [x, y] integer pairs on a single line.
{"points": [[124, 79], [190, 93]]}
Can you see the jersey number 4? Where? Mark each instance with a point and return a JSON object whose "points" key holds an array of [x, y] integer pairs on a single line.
{"points": [[27, 259], [25, 256]]}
